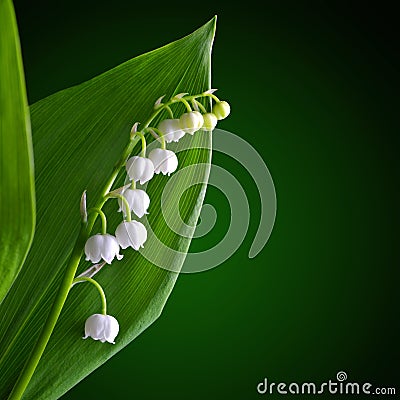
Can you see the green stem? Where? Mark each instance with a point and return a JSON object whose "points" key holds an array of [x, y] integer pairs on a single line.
{"points": [[103, 218], [98, 287], [161, 138], [155, 113], [33, 360], [213, 96], [184, 100], [202, 108], [143, 152], [86, 228], [126, 204], [171, 114], [187, 105], [61, 296]]}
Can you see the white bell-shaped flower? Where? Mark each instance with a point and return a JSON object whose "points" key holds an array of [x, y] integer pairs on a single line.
{"points": [[210, 122], [101, 327], [171, 129], [191, 122], [131, 234], [103, 247], [138, 200], [164, 161], [140, 169]]}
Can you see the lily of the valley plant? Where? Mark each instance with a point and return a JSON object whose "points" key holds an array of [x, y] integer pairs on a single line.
{"points": [[104, 247]]}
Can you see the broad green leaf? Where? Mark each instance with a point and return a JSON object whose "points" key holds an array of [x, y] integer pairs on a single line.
{"points": [[78, 135], [17, 194]]}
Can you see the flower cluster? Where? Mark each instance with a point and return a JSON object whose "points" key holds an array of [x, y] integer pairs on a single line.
{"points": [[140, 169]]}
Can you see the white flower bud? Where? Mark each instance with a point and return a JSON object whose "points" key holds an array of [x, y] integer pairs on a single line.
{"points": [[191, 122], [164, 161], [210, 122], [131, 234], [138, 200], [140, 169], [101, 327], [103, 247], [221, 109], [171, 129]]}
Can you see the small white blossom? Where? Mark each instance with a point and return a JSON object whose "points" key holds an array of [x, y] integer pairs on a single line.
{"points": [[103, 247], [210, 122], [101, 327], [140, 169], [171, 129], [191, 122], [221, 109], [131, 234], [164, 161], [138, 200]]}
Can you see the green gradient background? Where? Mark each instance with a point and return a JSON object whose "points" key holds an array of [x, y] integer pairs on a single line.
{"points": [[314, 87]]}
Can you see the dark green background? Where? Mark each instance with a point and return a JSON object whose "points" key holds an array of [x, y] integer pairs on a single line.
{"points": [[314, 87]]}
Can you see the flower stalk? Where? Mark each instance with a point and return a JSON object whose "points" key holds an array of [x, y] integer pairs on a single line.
{"points": [[160, 134], [129, 233], [103, 218], [125, 203], [97, 285], [62, 294], [34, 358]]}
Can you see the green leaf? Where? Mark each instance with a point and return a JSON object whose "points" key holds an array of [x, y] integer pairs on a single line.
{"points": [[17, 193], [78, 136]]}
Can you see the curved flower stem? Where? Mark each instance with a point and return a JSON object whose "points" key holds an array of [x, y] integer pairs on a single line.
{"points": [[98, 287], [65, 286], [86, 228], [213, 96], [33, 360], [202, 108], [186, 103], [185, 100], [171, 114], [143, 152], [103, 218], [160, 136], [126, 204]]}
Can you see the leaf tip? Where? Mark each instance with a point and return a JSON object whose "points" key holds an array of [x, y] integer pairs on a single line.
{"points": [[213, 22]]}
